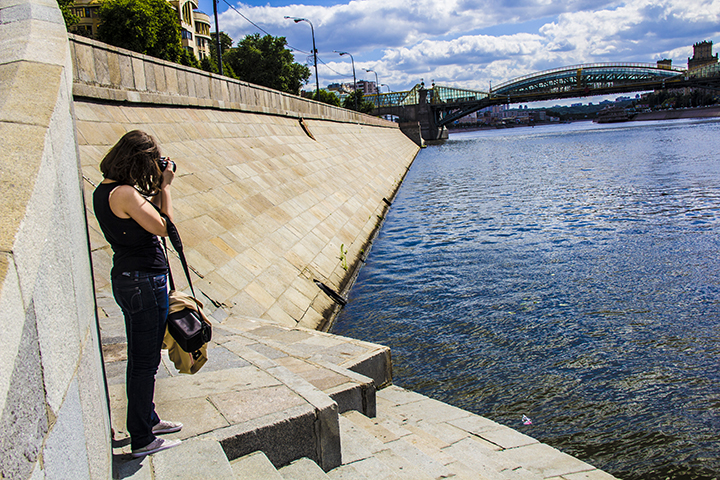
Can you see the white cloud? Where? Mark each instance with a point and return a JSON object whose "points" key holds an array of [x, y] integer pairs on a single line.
{"points": [[444, 40]]}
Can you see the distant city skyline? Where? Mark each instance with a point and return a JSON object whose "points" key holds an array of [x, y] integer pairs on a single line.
{"points": [[473, 43]]}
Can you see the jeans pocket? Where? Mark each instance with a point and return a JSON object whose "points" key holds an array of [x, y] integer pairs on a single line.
{"points": [[130, 298], [160, 282]]}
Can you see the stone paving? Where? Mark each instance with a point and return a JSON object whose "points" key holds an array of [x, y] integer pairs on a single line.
{"points": [[291, 393], [251, 384]]}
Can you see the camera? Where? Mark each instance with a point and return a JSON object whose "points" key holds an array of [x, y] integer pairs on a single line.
{"points": [[164, 161]]}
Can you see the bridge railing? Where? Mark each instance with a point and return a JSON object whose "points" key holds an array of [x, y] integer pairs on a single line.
{"points": [[395, 99], [584, 66], [443, 94], [435, 95]]}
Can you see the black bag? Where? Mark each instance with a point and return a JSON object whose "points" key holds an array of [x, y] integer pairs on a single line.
{"points": [[188, 326], [189, 330]]}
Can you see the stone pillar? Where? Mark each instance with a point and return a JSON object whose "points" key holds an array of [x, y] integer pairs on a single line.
{"points": [[54, 420]]}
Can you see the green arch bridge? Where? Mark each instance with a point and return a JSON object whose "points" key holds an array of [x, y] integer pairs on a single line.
{"points": [[439, 105]]}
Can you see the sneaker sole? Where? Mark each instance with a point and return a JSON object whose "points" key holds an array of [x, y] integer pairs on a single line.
{"points": [[166, 430], [168, 444]]}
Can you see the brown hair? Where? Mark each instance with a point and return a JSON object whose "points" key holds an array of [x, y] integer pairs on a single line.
{"points": [[134, 161]]}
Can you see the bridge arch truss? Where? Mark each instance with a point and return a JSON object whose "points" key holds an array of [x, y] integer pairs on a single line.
{"points": [[591, 76]]}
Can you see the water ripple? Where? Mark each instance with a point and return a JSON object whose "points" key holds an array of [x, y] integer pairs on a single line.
{"points": [[569, 273]]}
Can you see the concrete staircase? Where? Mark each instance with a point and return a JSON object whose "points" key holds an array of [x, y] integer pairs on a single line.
{"points": [[288, 403], [413, 437]]}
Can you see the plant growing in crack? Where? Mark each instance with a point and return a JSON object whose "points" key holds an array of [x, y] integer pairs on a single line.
{"points": [[343, 258]]}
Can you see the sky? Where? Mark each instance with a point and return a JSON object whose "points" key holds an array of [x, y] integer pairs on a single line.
{"points": [[472, 43]]}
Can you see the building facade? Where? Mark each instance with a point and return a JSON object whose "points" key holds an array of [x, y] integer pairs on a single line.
{"points": [[365, 86], [702, 55], [194, 24]]}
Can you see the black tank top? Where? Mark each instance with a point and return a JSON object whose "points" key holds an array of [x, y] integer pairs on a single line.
{"points": [[134, 247]]}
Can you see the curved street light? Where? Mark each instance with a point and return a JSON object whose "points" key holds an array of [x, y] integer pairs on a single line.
{"points": [[377, 85], [312, 30], [354, 81], [384, 85]]}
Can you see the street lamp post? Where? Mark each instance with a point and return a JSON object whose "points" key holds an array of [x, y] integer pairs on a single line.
{"points": [[312, 30], [384, 85], [217, 38], [377, 86], [354, 81]]}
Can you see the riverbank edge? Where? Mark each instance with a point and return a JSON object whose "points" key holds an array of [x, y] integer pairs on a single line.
{"points": [[711, 111]]}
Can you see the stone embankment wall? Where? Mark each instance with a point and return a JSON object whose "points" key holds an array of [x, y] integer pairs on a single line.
{"points": [[276, 197], [699, 112], [54, 419]]}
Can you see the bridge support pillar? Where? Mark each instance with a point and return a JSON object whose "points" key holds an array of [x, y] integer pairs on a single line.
{"points": [[431, 132], [412, 115]]}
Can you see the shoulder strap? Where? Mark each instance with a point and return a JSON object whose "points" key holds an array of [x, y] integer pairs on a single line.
{"points": [[174, 237]]}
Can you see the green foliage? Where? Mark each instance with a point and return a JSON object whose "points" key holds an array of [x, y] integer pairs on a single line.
{"points": [[225, 45], [228, 71], [70, 18], [265, 61], [328, 97], [188, 59], [363, 106], [209, 65], [150, 27], [343, 257]]}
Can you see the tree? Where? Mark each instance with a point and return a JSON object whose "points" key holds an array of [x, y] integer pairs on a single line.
{"points": [[363, 106], [225, 45], [209, 65], [188, 59], [265, 61], [70, 18], [328, 97], [150, 27]]}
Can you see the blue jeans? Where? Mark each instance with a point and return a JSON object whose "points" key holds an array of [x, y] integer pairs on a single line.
{"points": [[143, 298]]}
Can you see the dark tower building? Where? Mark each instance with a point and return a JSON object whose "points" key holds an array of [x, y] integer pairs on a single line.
{"points": [[702, 55]]}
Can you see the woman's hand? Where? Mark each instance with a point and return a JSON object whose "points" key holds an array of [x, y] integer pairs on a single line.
{"points": [[168, 175], [163, 199]]}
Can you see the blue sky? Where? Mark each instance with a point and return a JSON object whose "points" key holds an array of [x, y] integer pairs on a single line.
{"points": [[472, 43]]}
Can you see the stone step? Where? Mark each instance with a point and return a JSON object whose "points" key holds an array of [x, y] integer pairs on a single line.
{"points": [[350, 390], [372, 448], [303, 469], [470, 443], [246, 409], [346, 472], [255, 466], [365, 358], [253, 395], [193, 458], [463, 455]]}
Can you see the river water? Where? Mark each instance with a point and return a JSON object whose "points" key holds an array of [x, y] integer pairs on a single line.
{"points": [[568, 273]]}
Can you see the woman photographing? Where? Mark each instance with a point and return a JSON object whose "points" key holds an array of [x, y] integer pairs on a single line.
{"points": [[134, 171]]}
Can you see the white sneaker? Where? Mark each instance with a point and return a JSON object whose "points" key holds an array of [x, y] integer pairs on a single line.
{"points": [[155, 446], [166, 426]]}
